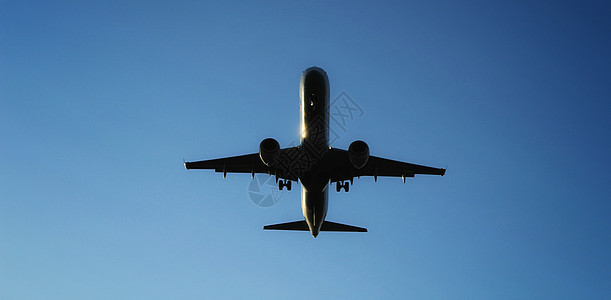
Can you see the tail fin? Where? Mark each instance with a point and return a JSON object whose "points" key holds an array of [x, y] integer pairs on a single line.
{"points": [[326, 226]]}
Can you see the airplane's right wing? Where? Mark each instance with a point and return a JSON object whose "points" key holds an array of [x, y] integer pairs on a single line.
{"points": [[249, 163]]}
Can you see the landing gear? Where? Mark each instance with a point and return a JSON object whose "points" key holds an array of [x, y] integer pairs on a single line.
{"points": [[284, 183], [345, 185]]}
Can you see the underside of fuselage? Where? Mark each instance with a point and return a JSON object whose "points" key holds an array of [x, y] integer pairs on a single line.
{"points": [[314, 96]]}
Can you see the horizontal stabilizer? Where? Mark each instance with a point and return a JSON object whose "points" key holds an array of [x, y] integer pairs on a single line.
{"points": [[332, 226], [298, 225], [326, 226]]}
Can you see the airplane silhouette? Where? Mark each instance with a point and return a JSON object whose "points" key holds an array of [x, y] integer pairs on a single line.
{"points": [[314, 163]]}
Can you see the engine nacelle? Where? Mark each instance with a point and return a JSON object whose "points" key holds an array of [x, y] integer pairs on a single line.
{"points": [[358, 153], [268, 149]]}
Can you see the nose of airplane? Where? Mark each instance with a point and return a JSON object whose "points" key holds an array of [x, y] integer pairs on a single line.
{"points": [[316, 69]]}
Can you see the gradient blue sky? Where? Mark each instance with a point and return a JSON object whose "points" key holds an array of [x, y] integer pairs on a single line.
{"points": [[101, 101]]}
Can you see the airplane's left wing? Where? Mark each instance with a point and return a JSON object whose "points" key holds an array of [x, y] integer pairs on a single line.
{"points": [[249, 163], [342, 169]]}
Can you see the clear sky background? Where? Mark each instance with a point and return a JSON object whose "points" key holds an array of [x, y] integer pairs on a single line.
{"points": [[101, 101]]}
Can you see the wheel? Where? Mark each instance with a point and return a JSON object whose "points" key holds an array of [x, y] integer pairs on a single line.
{"points": [[284, 183], [346, 187], [338, 187], [281, 184]]}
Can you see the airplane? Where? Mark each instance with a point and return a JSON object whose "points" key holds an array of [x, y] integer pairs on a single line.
{"points": [[313, 163]]}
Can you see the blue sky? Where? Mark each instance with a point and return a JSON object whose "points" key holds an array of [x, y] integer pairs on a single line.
{"points": [[101, 101]]}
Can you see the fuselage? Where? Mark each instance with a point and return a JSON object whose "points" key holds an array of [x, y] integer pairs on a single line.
{"points": [[314, 97]]}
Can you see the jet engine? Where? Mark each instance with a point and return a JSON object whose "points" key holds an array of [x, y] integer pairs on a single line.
{"points": [[358, 153], [268, 149]]}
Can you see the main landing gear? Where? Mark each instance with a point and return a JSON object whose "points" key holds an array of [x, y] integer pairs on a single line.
{"points": [[284, 183], [345, 185]]}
